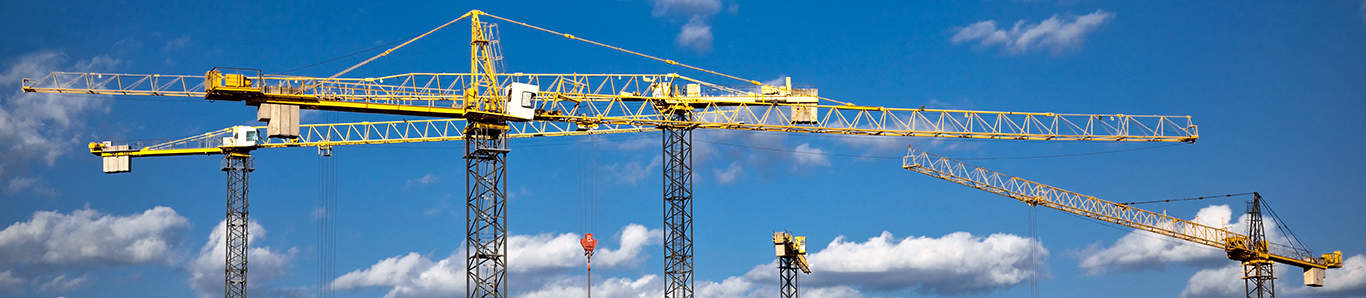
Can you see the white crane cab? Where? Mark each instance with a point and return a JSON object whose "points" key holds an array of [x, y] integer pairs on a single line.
{"points": [[520, 98], [242, 136]]}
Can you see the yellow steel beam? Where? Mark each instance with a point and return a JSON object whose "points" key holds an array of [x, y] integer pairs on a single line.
{"points": [[345, 134], [1039, 194], [642, 100]]}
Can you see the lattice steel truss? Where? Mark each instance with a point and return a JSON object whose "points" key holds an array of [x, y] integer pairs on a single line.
{"points": [[237, 166], [1259, 278], [678, 265], [485, 213], [787, 276]]}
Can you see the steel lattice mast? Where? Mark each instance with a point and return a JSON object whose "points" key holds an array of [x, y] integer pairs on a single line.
{"points": [[237, 166], [787, 277], [678, 207], [1259, 276], [486, 153], [1253, 251], [576, 104]]}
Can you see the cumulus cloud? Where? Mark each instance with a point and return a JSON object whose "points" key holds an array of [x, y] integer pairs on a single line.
{"points": [[1218, 277], [410, 275], [415, 275], [38, 128], [696, 33], [86, 236], [947, 265], [645, 286], [1055, 34], [1348, 281], [1226, 281], [266, 264], [1142, 250]]}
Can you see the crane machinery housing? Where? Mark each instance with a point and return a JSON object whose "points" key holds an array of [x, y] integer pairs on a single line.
{"points": [[487, 106], [791, 253], [1253, 250]]}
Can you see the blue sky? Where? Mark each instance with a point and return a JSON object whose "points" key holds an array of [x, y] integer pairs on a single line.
{"points": [[1277, 89]]}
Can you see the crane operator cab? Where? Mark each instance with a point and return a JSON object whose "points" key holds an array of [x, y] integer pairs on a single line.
{"points": [[519, 100], [242, 136]]}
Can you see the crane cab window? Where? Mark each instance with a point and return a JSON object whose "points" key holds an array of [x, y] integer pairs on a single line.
{"points": [[526, 98]]}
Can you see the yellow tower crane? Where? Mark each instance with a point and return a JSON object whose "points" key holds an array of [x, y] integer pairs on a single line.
{"points": [[493, 105], [237, 143], [1253, 250], [791, 252]]}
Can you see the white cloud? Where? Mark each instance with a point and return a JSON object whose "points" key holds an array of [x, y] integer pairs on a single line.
{"points": [[1226, 281], [947, 265], [686, 7], [549, 252], [415, 275], [632, 172], [9, 282], [1055, 34], [403, 273], [1221, 282], [61, 283], [1348, 281], [805, 154], [729, 174], [645, 286], [35, 129], [87, 237], [265, 264], [1219, 277], [1142, 250], [696, 33], [429, 178]]}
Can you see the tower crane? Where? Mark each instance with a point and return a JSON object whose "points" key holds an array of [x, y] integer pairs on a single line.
{"points": [[236, 144], [791, 252], [1253, 250], [494, 104]]}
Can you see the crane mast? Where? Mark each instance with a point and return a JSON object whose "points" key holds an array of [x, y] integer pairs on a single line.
{"points": [[486, 153], [496, 105], [1252, 250], [1259, 275]]}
